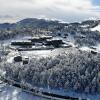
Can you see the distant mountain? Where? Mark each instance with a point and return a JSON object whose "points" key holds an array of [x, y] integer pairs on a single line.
{"points": [[42, 23], [33, 22], [7, 25]]}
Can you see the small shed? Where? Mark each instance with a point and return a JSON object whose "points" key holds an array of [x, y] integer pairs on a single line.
{"points": [[25, 60], [93, 52]]}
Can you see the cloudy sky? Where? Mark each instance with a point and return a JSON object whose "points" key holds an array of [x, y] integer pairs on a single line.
{"points": [[65, 10]]}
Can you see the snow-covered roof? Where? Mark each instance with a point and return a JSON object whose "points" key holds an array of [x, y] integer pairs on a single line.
{"points": [[21, 41]]}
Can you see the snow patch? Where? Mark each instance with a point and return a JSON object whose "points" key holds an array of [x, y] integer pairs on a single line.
{"points": [[97, 47], [97, 28], [84, 48], [84, 26], [12, 93], [10, 60]]}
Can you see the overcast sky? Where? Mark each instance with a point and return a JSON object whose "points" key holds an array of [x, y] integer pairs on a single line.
{"points": [[65, 10]]}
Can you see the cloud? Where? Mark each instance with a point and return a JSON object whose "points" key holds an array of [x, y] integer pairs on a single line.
{"points": [[67, 10]]}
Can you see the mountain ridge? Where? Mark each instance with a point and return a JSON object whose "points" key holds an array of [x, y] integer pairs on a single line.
{"points": [[38, 22]]}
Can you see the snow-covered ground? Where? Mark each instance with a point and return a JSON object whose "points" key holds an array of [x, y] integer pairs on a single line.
{"points": [[73, 94], [88, 49], [97, 47], [84, 26], [11, 93], [97, 28], [38, 53], [84, 48]]}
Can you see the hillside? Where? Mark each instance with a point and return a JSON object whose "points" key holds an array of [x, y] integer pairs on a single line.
{"points": [[71, 69], [83, 33]]}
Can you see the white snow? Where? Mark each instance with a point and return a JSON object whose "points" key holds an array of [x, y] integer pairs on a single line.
{"points": [[10, 60], [11, 56], [84, 26], [84, 48], [73, 94], [38, 53], [97, 48], [11, 93], [43, 53], [2, 72], [97, 28]]}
